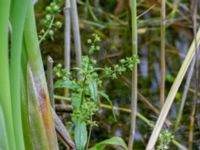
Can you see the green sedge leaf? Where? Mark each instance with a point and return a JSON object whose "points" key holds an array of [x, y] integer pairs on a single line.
{"points": [[112, 141], [3, 137], [80, 135]]}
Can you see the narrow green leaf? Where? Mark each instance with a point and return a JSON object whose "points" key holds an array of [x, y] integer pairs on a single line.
{"points": [[93, 89], [24, 103], [17, 20], [4, 136], [112, 141], [80, 135], [106, 97], [5, 96]]}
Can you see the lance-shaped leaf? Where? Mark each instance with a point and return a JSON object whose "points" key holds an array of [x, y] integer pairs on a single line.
{"points": [[112, 141], [80, 135]]}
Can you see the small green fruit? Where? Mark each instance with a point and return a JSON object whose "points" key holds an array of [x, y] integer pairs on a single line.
{"points": [[48, 17], [55, 8], [51, 33], [48, 9], [58, 24]]}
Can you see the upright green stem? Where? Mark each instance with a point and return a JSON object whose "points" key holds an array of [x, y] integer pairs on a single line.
{"points": [[5, 95], [17, 20], [133, 6], [162, 55]]}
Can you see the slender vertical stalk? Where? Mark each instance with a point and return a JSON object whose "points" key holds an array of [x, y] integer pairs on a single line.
{"points": [[133, 7], [184, 96], [162, 55], [76, 32], [5, 95], [67, 35], [192, 116]]}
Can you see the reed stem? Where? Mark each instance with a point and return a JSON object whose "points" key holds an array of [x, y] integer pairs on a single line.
{"points": [[133, 7], [162, 55], [76, 32]]}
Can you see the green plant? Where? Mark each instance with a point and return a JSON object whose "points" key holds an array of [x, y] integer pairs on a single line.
{"points": [[50, 25], [86, 91], [164, 140]]}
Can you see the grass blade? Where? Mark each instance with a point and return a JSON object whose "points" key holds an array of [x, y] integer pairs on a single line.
{"points": [[3, 137], [17, 21], [25, 103], [5, 96], [112, 141]]}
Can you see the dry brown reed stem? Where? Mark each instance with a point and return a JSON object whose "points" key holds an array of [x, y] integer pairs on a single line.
{"points": [[67, 39], [62, 132], [162, 54], [76, 32], [194, 5]]}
